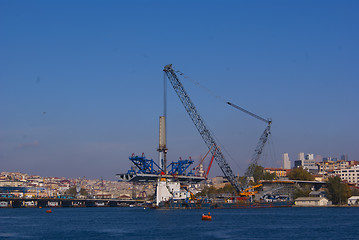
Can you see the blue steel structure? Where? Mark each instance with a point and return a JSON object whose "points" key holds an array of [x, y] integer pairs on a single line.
{"points": [[148, 166], [144, 165], [180, 167]]}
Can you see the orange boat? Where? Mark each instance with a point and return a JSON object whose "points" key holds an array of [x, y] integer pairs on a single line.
{"points": [[49, 211], [207, 217]]}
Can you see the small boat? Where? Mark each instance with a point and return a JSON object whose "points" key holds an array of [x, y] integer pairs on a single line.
{"points": [[206, 217], [49, 211]]}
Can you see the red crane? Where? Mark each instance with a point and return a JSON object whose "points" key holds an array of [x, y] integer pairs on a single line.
{"points": [[210, 164]]}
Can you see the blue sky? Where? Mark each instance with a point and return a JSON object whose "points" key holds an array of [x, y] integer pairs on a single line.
{"points": [[81, 81]]}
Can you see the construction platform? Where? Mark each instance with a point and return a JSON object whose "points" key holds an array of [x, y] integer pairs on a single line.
{"points": [[143, 177]]}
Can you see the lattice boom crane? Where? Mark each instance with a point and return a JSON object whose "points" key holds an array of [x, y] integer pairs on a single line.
{"points": [[201, 127], [262, 140]]}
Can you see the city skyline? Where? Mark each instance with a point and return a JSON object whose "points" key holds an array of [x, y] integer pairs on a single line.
{"points": [[81, 87]]}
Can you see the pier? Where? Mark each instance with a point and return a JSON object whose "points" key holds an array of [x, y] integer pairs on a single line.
{"points": [[57, 202]]}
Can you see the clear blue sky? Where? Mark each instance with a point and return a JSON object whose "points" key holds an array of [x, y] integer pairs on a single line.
{"points": [[81, 81]]}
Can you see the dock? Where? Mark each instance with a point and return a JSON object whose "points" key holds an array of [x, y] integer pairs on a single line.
{"points": [[57, 202]]}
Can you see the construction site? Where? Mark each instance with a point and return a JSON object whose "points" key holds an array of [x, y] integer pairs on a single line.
{"points": [[173, 180]]}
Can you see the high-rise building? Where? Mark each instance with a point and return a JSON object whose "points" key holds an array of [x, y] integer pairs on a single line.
{"points": [[301, 156], [309, 156], [309, 163], [286, 161], [306, 161], [298, 163]]}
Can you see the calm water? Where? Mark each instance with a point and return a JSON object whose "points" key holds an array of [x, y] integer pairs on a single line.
{"points": [[137, 223]]}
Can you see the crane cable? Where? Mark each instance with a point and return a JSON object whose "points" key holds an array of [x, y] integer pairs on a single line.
{"points": [[201, 86], [218, 98], [210, 92], [273, 150]]}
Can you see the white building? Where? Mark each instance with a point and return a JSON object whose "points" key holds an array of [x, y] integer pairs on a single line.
{"points": [[309, 163], [350, 175], [299, 162], [311, 201], [309, 156], [286, 161], [167, 190], [354, 200]]}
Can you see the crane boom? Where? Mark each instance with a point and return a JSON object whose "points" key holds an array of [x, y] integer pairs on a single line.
{"points": [[201, 127], [258, 151], [262, 140], [248, 112]]}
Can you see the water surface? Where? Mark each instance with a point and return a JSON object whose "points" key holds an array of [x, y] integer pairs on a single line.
{"points": [[139, 223]]}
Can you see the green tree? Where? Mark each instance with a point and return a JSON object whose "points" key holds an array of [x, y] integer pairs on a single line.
{"points": [[302, 191], [242, 180], [337, 191], [207, 191], [354, 191], [300, 174], [72, 192], [269, 176], [228, 188], [259, 173]]}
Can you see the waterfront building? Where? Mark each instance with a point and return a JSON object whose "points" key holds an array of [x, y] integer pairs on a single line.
{"points": [[311, 201], [354, 200]]}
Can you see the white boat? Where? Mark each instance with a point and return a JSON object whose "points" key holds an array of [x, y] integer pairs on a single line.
{"points": [[4, 204]]}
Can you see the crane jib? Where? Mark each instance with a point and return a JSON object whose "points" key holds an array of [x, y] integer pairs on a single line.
{"points": [[201, 127]]}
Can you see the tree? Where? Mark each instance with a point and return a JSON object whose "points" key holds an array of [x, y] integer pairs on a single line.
{"points": [[269, 176], [72, 191], [337, 191], [300, 174], [260, 174], [354, 191], [257, 173], [302, 191], [227, 188], [207, 191]]}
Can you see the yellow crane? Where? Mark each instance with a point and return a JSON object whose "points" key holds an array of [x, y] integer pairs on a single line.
{"points": [[250, 191]]}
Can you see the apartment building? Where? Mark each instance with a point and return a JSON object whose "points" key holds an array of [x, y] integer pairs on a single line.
{"points": [[350, 175]]}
